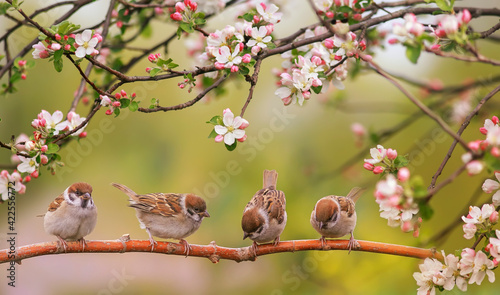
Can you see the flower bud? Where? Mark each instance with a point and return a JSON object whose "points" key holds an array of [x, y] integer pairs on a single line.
{"points": [[328, 43], [44, 148], [243, 138], [219, 66], [483, 130], [43, 159], [176, 16], [58, 37], [378, 170], [109, 112], [329, 14], [219, 138], [403, 174], [466, 16], [494, 217], [4, 174], [29, 145], [255, 49], [244, 124], [21, 63], [391, 154], [246, 58], [123, 93], [116, 104], [495, 152], [368, 166], [180, 7], [406, 226], [27, 179], [495, 120], [34, 174]]}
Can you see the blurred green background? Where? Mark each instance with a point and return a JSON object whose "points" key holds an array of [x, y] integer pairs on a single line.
{"points": [[170, 152]]}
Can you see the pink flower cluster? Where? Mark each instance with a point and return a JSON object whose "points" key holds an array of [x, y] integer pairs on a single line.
{"points": [[471, 267], [396, 205], [382, 156], [83, 44], [318, 64], [114, 102], [491, 144], [14, 181], [331, 8], [183, 10], [481, 220], [449, 25]]}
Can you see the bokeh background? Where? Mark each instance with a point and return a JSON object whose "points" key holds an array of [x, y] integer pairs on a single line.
{"points": [[170, 152]]}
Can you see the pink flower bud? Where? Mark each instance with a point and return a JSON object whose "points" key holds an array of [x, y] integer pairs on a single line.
{"points": [[34, 174], [306, 94], [494, 217], [234, 69], [126, 12], [43, 159], [21, 63], [118, 95], [114, 13], [378, 170], [287, 100], [95, 52], [116, 104], [123, 93], [466, 16], [474, 145], [109, 112], [368, 166], [483, 130], [180, 7], [495, 152], [55, 46], [58, 37], [44, 148], [495, 262], [246, 58], [440, 33], [393, 41], [29, 145], [316, 82], [357, 17], [403, 174], [328, 43], [391, 154], [244, 124], [338, 57], [148, 69], [495, 120], [158, 11], [152, 57], [119, 24], [329, 14], [23, 76], [242, 46], [67, 47], [176, 16], [133, 95], [269, 29], [316, 60], [219, 138], [98, 37], [416, 233], [219, 65], [44, 54], [256, 19], [406, 226], [27, 179], [72, 36], [338, 3], [83, 134], [255, 50], [192, 5], [4, 174], [243, 138], [181, 86]]}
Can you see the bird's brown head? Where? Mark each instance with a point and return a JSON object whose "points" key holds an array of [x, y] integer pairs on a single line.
{"points": [[252, 223], [196, 207]]}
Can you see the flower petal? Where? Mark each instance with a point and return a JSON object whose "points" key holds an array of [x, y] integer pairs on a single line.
{"points": [[229, 138], [228, 118], [238, 133], [86, 35], [219, 129]]}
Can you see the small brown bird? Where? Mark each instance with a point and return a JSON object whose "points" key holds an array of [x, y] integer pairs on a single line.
{"points": [[72, 215], [264, 217], [335, 216], [167, 215]]}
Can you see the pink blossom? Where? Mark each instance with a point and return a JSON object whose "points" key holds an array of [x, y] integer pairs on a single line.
{"points": [[86, 43], [231, 129], [469, 230], [270, 13], [55, 46], [176, 16], [246, 58], [403, 174], [391, 154]]}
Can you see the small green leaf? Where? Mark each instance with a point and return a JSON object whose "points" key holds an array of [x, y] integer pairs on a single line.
{"points": [[212, 134], [413, 52], [16, 76], [492, 163], [248, 17], [116, 112], [4, 7], [425, 210], [216, 120], [243, 70], [134, 106], [316, 89], [52, 148], [154, 71], [446, 5], [231, 147], [188, 28], [401, 161], [172, 65], [124, 103], [58, 61]]}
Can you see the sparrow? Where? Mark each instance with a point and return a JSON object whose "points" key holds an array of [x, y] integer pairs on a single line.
{"points": [[167, 215], [335, 216], [72, 215], [264, 217]]}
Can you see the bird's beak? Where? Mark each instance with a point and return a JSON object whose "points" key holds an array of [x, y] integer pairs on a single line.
{"points": [[245, 235], [86, 196], [205, 214]]}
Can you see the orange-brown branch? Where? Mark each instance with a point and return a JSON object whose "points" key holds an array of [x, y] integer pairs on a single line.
{"points": [[211, 251]]}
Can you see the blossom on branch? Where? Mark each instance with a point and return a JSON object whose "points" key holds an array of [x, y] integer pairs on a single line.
{"points": [[85, 43], [232, 128]]}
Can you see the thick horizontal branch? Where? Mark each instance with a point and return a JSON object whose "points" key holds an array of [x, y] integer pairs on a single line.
{"points": [[211, 251]]}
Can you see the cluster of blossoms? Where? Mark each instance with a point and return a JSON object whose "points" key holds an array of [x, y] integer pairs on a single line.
{"points": [[81, 44], [184, 10], [46, 126], [449, 28], [491, 185], [118, 101], [313, 66], [227, 48], [341, 9], [479, 221], [471, 267], [161, 65], [22, 68], [385, 157], [229, 129], [491, 144], [396, 202], [13, 181]]}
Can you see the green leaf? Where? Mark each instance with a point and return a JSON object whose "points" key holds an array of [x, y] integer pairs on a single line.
{"points": [[58, 62], [15, 77], [4, 7], [116, 112], [345, 9], [413, 53], [134, 106], [212, 134], [248, 17], [231, 147], [125, 102], [446, 5], [425, 210], [492, 162], [154, 71], [401, 161], [52, 148], [188, 28], [172, 65], [216, 120], [419, 189], [243, 70], [316, 89], [200, 21], [147, 32]]}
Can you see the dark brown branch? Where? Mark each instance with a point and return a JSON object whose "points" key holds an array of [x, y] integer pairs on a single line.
{"points": [[188, 103], [253, 82]]}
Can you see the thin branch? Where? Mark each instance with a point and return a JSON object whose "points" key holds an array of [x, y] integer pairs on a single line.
{"points": [[253, 82], [492, 30], [213, 252], [188, 103], [445, 182], [422, 106], [459, 133]]}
